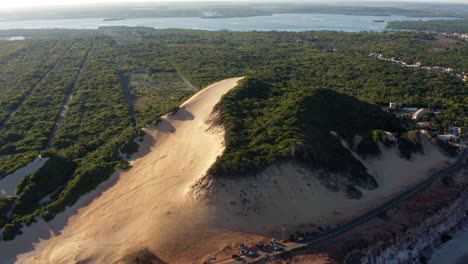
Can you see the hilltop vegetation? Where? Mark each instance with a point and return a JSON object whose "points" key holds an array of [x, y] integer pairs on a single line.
{"points": [[266, 124], [302, 86]]}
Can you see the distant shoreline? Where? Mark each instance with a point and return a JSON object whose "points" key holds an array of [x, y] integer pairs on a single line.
{"points": [[277, 22], [114, 19], [227, 16]]}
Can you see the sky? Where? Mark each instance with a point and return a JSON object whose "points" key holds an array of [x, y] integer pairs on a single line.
{"points": [[12, 4]]}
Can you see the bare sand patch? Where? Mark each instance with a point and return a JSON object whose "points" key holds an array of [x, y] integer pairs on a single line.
{"points": [[290, 195], [147, 206]]}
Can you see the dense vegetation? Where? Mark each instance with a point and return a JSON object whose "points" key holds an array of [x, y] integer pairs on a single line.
{"points": [[456, 26], [266, 124], [122, 79], [22, 71], [32, 123]]}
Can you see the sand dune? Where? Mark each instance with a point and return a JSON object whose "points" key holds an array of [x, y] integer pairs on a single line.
{"points": [[164, 203], [147, 206], [289, 194]]}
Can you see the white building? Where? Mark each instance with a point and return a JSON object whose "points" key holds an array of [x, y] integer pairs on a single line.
{"points": [[419, 114], [447, 137], [392, 105], [455, 130], [410, 109]]}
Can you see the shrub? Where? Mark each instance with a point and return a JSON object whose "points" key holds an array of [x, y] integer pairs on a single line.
{"points": [[266, 124], [409, 143], [142, 257]]}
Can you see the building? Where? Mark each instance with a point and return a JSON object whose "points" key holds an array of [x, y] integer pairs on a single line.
{"points": [[446, 138], [419, 114], [392, 105], [410, 109], [427, 125], [455, 130]]}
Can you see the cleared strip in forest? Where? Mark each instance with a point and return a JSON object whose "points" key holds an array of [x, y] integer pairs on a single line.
{"points": [[183, 78], [128, 93], [187, 82], [51, 68], [127, 89], [64, 109]]}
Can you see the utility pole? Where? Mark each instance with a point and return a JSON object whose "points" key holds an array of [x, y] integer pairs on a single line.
{"points": [[284, 229]]}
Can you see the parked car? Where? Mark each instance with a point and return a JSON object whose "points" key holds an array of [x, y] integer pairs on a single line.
{"points": [[252, 254], [277, 248]]}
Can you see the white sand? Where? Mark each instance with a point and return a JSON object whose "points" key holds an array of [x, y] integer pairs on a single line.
{"points": [[165, 204], [291, 195], [8, 183], [147, 206]]}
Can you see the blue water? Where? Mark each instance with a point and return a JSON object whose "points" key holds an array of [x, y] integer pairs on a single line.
{"points": [[280, 22], [454, 251]]}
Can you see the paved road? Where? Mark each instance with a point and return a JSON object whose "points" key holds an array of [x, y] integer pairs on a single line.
{"points": [[437, 176]]}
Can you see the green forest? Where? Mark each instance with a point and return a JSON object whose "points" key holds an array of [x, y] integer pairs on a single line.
{"points": [[114, 81], [454, 26]]}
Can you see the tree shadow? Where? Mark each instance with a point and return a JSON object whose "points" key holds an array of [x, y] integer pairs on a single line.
{"points": [[182, 115], [41, 230], [165, 127], [145, 147], [142, 257]]}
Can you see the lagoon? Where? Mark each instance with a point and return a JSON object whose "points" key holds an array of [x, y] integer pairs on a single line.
{"points": [[279, 22]]}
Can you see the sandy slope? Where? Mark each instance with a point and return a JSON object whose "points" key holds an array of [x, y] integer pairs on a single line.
{"points": [[147, 205], [290, 195], [165, 204]]}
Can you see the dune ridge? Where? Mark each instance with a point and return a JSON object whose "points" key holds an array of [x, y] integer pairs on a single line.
{"points": [[149, 198]]}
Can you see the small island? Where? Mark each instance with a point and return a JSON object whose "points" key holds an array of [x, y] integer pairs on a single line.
{"points": [[114, 19]]}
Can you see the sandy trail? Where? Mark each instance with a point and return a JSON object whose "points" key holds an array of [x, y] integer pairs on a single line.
{"points": [[147, 207]]}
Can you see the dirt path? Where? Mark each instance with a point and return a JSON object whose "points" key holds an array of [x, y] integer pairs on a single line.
{"points": [[51, 68], [186, 82], [64, 109]]}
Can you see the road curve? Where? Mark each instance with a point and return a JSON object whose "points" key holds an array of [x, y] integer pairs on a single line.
{"points": [[435, 177]]}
